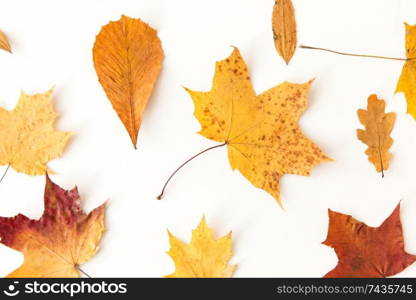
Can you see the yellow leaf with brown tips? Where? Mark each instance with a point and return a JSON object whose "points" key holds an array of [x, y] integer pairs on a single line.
{"points": [[261, 131]]}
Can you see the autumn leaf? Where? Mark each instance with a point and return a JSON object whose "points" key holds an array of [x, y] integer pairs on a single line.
{"points": [[284, 29], [204, 257], [365, 251], [128, 58], [61, 240], [407, 80], [261, 132], [28, 139], [378, 126], [4, 42]]}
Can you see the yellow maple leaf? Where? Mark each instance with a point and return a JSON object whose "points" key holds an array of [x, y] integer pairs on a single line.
{"points": [[407, 80], [204, 257], [28, 139], [261, 131]]}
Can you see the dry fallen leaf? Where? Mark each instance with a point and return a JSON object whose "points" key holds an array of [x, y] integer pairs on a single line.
{"points": [[378, 126], [204, 257], [28, 139], [62, 239], [407, 80], [4, 42], [365, 251], [262, 134], [127, 58], [284, 29]]}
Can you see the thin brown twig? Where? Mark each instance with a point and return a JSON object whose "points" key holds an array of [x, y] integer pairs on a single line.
{"points": [[82, 271], [183, 164], [354, 54], [5, 172], [381, 158]]}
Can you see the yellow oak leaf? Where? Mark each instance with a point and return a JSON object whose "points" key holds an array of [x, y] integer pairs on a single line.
{"points": [[261, 132], [378, 126], [407, 80], [128, 58], [62, 239], [28, 139], [204, 257], [284, 29]]}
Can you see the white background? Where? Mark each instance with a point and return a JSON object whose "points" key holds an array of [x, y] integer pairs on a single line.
{"points": [[52, 42]]}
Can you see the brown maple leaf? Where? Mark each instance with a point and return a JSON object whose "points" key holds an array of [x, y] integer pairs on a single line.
{"points": [[365, 251]]}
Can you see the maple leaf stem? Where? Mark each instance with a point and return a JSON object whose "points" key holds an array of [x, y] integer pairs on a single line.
{"points": [[353, 54], [5, 172], [82, 271], [381, 159], [184, 164]]}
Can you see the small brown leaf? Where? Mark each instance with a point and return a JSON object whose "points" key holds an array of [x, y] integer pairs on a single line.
{"points": [[284, 29], [378, 126], [4, 43]]}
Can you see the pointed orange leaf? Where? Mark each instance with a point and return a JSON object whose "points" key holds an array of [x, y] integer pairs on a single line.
{"points": [[127, 58]]}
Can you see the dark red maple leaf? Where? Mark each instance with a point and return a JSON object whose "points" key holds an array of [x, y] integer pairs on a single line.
{"points": [[365, 251]]}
